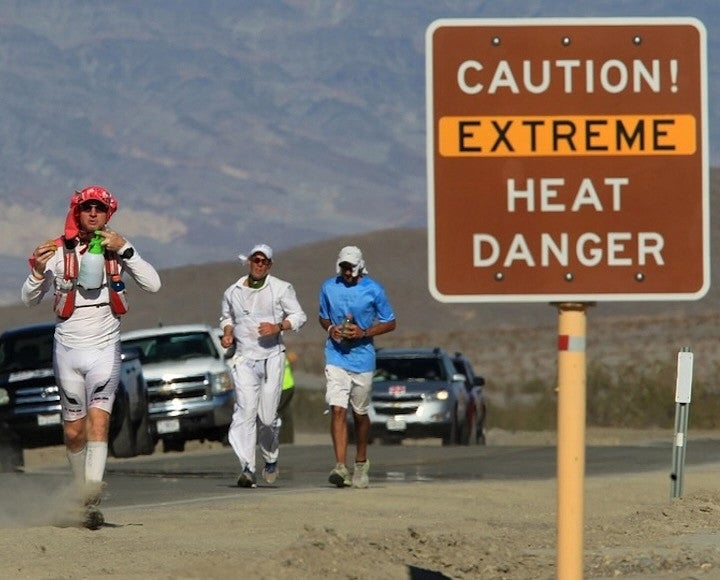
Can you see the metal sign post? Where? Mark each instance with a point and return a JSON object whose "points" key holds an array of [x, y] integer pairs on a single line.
{"points": [[683, 392]]}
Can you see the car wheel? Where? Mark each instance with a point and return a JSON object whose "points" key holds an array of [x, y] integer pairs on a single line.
{"points": [[465, 433], [144, 440], [11, 452], [122, 438], [473, 434], [451, 436], [480, 436], [170, 445]]}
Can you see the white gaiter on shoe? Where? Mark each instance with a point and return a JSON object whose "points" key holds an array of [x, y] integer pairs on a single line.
{"points": [[95, 461]]}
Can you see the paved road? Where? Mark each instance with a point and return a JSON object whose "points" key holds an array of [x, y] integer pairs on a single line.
{"points": [[203, 475]]}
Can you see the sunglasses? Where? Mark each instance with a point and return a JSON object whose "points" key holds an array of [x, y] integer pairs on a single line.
{"points": [[88, 205], [260, 261], [346, 266]]}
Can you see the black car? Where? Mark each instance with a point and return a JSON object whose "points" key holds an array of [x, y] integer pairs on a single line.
{"points": [[476, 409], [11, 452], [32, 412]]}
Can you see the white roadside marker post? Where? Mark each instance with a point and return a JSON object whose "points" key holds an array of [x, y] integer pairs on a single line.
{"points": [[683, 391]]}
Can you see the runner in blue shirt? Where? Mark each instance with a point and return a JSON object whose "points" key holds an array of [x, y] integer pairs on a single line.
{"points": [[353, 309]]}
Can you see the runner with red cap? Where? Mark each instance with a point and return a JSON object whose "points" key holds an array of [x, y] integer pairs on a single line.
{"points": [[86, 355]]}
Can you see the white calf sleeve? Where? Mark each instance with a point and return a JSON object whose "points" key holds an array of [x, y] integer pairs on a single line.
{"points": [[77, 463], [95, 461]]}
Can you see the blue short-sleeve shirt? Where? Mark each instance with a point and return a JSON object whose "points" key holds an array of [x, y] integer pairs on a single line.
{"points": [[367, 303]]}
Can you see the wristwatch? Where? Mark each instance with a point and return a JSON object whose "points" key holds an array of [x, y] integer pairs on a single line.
{"points": [[127, 254]]}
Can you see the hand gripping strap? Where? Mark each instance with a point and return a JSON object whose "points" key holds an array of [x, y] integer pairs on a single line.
{"points": [[65, 292]]}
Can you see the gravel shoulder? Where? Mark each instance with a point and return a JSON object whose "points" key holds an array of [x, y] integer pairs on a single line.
{"points": [[486, 529]]}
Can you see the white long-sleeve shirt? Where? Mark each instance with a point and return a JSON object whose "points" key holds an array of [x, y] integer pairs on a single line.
{"points": [[92, 324], [245, 308]]}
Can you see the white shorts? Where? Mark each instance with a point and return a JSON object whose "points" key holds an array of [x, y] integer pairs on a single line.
{"points": [[346, 387], [86, 377]]}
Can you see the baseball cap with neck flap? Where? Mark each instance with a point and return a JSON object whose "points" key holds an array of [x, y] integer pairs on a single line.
{"points": [[351, 255], [92, 192]]}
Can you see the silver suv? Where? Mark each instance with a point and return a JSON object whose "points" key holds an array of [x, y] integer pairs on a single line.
{"points": [[417, 393], [190, 390]]}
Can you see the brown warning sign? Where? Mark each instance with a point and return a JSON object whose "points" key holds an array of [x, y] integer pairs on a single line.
{"points": [[567, 160]]}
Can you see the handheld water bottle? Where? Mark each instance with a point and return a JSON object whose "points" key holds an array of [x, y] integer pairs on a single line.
{"points": [[92, 265], [345, 341], [344, 328]]}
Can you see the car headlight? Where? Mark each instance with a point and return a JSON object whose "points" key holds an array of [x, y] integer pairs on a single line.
{"points": [[442, 395], [221, 382], [4, 397]]}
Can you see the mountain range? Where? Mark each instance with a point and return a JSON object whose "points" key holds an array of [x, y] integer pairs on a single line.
{"points": [[222, 123]]}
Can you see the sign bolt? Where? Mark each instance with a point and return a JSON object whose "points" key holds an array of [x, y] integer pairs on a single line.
{"points": [[569, 277], [499, 276], [639, 277]]}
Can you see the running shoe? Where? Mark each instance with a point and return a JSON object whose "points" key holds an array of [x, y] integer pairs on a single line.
{"points": [[247, 479], [93, 520], [340, 476], [360, 478], [270, 472]]}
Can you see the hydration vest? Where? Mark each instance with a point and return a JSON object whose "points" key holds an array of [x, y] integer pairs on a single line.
{"points": [[66, 289]]}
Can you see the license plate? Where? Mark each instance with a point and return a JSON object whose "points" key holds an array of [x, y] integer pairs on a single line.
{"points": [[168, 426], [396, 425], [53, 419]]}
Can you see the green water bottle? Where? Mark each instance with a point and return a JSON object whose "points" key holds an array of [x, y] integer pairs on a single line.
{"points": [[92, 265]]}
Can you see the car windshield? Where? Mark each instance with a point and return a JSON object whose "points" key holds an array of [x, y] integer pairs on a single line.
{"points": [[409, 369], [167, 347], [26, 352]]}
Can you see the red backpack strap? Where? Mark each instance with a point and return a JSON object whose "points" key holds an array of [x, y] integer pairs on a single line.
{"points": [[116, 287], [70, 261], [65, 292]]}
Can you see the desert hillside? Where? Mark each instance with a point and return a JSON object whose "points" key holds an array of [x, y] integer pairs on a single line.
{"points": [[507, 342]]}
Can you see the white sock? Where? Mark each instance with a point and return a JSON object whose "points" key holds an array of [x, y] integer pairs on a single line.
{"points": [[77, 463], [97, 452]]}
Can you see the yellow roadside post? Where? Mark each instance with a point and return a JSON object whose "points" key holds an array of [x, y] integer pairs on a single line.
{"points": [[572, 326]]}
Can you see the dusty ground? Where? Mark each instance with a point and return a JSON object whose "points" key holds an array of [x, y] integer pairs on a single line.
{"points": [[456, 530]]}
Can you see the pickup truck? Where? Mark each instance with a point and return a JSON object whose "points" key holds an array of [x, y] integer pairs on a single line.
{"points": [[190, 390], [32, 412]]}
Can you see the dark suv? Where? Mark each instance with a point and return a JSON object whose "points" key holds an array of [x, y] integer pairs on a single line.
{"points": [[418, 393], [476, 410], [32, 410]]}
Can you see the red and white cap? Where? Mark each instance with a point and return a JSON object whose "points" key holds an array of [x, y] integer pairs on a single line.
{"points": [[92, 192]]}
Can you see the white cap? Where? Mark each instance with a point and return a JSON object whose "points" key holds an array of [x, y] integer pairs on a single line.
{"points": [[351, 255], [263, 249]]}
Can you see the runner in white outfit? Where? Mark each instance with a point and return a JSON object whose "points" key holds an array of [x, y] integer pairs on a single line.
{"points": [[87, 340], [255, 311]]}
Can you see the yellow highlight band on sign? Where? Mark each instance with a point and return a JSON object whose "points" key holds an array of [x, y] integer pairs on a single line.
{"points": [[567, 136]]}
